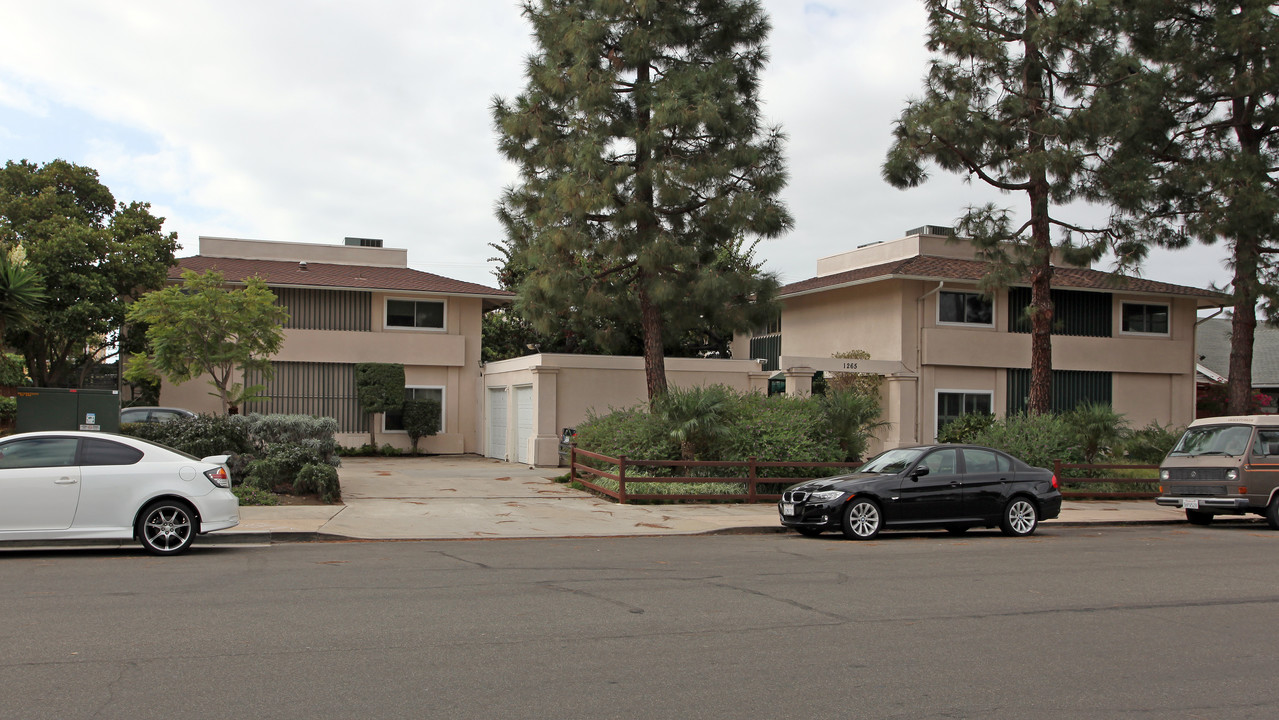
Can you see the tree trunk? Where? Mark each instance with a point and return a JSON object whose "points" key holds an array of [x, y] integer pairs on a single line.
{"points": [[646, 228], [1242, 328], [654, 352], [1041, 273]]}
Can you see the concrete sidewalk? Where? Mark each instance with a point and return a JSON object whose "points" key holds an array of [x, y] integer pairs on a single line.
{"points": [[468, 497]]}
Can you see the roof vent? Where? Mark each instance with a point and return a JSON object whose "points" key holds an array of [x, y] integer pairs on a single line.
{"points": [[876, 242], [932, 230], [364, 242], [302, 266]]}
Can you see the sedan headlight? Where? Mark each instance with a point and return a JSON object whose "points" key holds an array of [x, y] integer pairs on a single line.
{"points": [[826, 495], [218, 476]]}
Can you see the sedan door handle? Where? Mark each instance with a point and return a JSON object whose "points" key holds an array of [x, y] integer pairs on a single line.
{"points": [[65, 481]]}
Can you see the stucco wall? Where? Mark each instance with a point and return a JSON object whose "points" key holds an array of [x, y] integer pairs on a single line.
{"points": [[567, 388]]}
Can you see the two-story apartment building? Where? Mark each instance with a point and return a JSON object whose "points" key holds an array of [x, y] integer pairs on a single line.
{"points": [[945, 350], [353, 303]]}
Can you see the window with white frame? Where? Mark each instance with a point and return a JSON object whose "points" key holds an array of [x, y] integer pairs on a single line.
{"points": [[954, 404], [416, 314], [393, 421], [964, 308], [1144, 318]]}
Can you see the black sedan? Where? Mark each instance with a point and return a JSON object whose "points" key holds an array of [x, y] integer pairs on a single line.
{"points": [[955, 487]]}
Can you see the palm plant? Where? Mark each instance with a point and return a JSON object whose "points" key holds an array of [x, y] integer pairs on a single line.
{"points": [[21, 292], [1097, 427], [853, 417], [695, 416]]}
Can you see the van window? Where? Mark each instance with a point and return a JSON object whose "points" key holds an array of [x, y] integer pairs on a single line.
{"points": [[1267, 443], [1213, 440]]}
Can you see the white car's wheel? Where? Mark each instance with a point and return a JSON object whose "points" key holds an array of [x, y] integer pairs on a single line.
{"points": [[166, 527]]}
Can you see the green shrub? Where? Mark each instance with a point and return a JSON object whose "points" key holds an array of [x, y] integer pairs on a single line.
{"points": [[319, 479], [1149, 445], [852, 418], [1096, 428], [250, 495], [389, 450], [8, 408], [201, 436], [1036, 439], [633, 432], [965, 428]]}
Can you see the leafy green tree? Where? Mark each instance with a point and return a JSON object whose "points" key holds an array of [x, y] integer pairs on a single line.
{"points": [[379, 387], [1203, 162], [201, 327], [1010, 100], [421, 419], [93, 256], [641, 158]]}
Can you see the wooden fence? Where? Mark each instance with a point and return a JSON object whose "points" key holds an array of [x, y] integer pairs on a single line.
{"points": [[588, 476], [1059, 466]]}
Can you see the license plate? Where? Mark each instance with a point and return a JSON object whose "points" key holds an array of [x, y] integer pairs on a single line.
{"points": [[788, 508], [1190, 504]]}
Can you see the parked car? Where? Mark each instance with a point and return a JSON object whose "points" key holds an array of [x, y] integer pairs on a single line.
{"points": [[1224, 466], [956, 487], [89, 485], [152, 414]]}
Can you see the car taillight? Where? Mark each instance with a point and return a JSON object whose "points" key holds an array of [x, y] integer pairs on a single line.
{"points": [[218, 476], [1055, 483]]}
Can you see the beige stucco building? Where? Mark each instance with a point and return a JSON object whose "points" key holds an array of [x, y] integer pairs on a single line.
{"points": [[349, 304], [945, 350]]}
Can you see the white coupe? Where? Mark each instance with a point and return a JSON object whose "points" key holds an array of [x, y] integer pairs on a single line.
{"points": [[90, 485]]}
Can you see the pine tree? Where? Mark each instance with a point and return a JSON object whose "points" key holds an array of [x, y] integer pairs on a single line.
{"points": [[1203, 164], [1011, 100], [642, 158]]}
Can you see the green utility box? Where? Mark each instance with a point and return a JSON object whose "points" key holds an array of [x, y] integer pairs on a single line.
{"points": [[68, 409]]}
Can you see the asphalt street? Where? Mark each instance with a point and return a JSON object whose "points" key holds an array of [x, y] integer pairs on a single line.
{"points": [[1134, 622]]}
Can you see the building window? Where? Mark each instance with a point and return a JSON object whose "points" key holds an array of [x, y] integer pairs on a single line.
{"points": [[968, 308], [1147, 319], [393, 421], [418, 314], [952, 404]]}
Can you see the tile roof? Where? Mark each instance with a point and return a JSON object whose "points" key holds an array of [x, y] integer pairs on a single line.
{"points": [[927, 267], [327, 275]]}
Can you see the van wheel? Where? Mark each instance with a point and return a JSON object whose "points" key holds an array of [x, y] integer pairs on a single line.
{"points": [[1198, 517], [1272, 514]]}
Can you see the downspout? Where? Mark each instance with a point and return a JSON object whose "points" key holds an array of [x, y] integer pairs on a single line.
{"points": [[919, 361], [1201, 321]]}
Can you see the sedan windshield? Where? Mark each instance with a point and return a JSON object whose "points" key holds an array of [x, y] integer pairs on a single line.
{"points": [[1213, 440], [891, 461]]}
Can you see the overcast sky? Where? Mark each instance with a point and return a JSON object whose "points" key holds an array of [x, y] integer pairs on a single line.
{"points": [[312, 121]]}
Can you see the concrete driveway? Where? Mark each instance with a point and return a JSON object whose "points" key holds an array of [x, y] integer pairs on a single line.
{"points": [[443, 497]]}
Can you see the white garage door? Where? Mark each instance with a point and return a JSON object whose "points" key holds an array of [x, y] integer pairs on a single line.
{"points": [[523, 421], [497, 423]]}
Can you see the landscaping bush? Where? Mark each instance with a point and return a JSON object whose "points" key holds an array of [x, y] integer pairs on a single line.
{"points": [[319, 479], [965, 428], [250, 495], [421, 419], [201, 436], [1149, 445], [1036, 439]]}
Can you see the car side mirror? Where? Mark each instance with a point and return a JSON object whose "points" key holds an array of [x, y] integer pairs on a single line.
{"points": [[919, 471]]}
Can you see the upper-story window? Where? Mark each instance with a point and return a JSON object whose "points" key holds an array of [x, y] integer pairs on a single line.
{"points": [[1145, 318], [418, 314], [968, 308]]}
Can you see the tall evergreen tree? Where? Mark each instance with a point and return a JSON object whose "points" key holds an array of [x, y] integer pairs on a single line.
{"points": [[642, 157], [1010, 100], [1203, 164]]}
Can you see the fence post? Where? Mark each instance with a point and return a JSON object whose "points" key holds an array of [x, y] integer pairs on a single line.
{"points": [[572, 462], [751, 490], [621, 480], [1057, 470]]}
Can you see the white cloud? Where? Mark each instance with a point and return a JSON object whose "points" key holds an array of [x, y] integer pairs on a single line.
{"points": [[313, 121]]}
